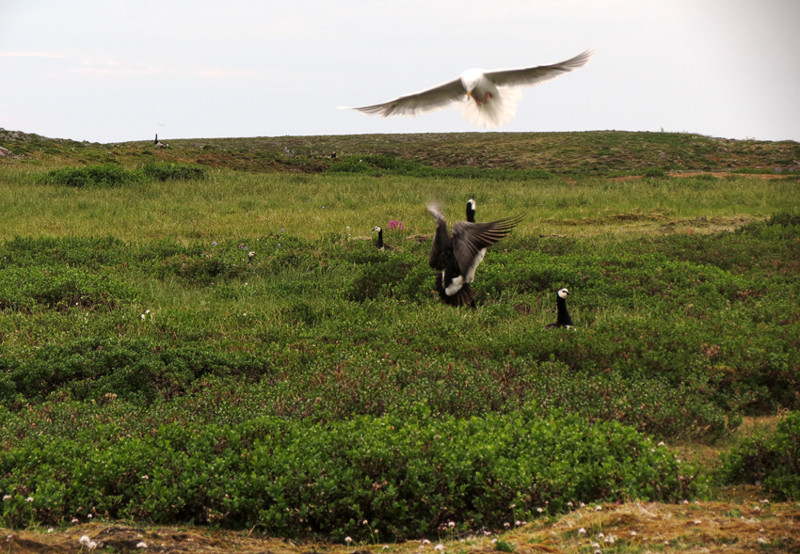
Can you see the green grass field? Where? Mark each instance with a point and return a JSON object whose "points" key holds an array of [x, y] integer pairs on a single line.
{"points": [[151, 370]]}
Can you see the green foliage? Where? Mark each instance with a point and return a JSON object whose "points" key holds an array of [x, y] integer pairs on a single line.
{"points": [[162, 373], [136, 370], [113, 175], [404, 475], [655, 172], [171, 171], [383, 164], [58, 288], [104, 175], [772, 459]]}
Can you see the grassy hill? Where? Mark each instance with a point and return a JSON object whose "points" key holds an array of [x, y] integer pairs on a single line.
{"points": [[205, 334], [585, 153]]}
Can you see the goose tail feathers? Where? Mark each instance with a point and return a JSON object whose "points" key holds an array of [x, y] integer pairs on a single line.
{"points": [[464, 297]]}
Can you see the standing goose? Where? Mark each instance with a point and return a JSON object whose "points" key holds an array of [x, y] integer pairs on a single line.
{"points": [[457, 255], [379, 244], [471, 205], [563, 320]]}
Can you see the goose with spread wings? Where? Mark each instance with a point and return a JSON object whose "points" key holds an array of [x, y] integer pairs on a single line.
{"points": [[456, 255], [488, 98]]}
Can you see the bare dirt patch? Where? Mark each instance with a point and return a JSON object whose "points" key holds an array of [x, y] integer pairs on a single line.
{"points": [[746, 523]]}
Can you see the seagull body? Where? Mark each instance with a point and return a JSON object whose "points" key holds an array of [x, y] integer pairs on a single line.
{"points": [[488, 98], [456, 256]]}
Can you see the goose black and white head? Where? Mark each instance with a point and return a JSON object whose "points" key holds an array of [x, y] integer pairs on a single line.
{"points": [[379, 243], [471, 205], [564, 320], [456, 255]]}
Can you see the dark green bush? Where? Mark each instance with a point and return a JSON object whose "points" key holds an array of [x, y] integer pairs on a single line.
{"points": [[105, 175], [84, 252], [60, 288], [655, 172], [137, 370], [382, 164], [772, 459], [403, 475], [171, 171]]}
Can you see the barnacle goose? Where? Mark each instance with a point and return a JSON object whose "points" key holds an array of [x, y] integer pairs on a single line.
{"points": [[456, 255], [563, 320], [471, 205], [379, 243]]}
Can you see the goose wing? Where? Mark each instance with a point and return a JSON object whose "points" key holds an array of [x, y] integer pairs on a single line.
{"points": [[441, 248], [470, 238], [418, 102], [535, 75]]}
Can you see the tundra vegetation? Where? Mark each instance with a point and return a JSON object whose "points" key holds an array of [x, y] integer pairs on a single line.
{"points": [[206, 334]]}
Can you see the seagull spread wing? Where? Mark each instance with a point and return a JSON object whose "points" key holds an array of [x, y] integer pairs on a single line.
{"points": [[419, 102], [539, 74]]}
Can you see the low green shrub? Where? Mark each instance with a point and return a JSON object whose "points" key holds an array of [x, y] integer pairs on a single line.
{"points": [[104, 175], [171, 171], [771, 459], [60, 288], [403, 475], [85, 252], [382, 164], [113, 175], [133, 369]]}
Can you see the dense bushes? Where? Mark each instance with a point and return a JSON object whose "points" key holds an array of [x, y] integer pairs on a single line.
{"points": [[25, 289], [382, 164], [105, 175], [113, 175], [772, 459], [216, 373], [402, 475]]}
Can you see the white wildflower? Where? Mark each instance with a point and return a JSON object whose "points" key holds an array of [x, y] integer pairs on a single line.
{"points": [[141, 544]]}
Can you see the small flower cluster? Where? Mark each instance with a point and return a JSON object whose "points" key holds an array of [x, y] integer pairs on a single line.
{"points": [[394, 224], [87, 542]]}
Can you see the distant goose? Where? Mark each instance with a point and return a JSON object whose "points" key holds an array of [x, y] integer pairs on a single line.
{"points": [[380, 244], [457, 255], [158, 143], [563, 320], [471, 205]]}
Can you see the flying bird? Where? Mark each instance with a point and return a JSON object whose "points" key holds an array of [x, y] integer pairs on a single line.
{"points": [[563, 319], [456, 255], [487, 98]]}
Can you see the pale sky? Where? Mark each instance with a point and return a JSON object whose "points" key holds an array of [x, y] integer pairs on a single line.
{"points": [[119, 70]]}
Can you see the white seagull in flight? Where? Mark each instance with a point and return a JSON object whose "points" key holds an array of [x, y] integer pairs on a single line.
{"points": [[488, 98]]}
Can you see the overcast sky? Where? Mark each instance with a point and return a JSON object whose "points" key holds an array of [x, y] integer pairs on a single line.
{"points": [[119, 70]]}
